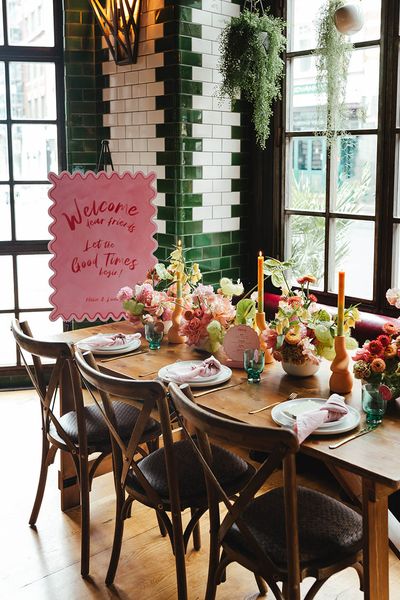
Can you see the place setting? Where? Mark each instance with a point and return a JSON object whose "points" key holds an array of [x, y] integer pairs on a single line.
{"points": [[112, 346], [208, 373]]}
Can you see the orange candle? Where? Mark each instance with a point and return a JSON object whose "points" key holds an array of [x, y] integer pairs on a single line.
{"points": [[179, 274], [260, 282], [340, 317]]}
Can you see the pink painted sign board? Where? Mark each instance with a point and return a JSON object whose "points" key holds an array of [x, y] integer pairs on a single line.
{"points": [[236, 340], [102, 233]]}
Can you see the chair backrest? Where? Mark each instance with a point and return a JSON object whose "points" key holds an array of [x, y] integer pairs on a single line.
{"points": [[280, 444], [63, 372], [152, 396]]}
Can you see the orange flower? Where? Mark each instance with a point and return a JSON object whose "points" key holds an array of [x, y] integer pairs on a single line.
{"points": [[378, 365], [292, 338], [390, 351], [390, 329], [307, 279]]}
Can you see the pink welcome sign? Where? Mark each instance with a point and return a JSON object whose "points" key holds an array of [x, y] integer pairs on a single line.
{"points": [[102, 240]]}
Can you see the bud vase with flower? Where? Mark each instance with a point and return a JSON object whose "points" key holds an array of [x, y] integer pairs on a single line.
{"points": [[301, 334]]}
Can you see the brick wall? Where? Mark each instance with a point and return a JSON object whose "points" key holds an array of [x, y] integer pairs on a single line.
{"points": [[165, 117]]}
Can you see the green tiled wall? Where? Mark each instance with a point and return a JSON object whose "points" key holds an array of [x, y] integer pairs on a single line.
{"points": [[83, 86]]}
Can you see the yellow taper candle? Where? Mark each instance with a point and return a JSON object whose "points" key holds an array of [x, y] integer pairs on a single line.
{"points": [[179, 274], [340, 317], [260, 282]]}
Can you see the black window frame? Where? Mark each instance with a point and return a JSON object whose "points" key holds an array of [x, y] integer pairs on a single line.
{"points": [[55, 55]]}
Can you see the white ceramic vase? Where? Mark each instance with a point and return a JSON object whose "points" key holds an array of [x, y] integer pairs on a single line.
{"points": [[349, 18], [306, 369]]}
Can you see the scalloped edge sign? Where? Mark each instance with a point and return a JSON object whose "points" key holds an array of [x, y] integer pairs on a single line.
{"points": [[103, 227]]}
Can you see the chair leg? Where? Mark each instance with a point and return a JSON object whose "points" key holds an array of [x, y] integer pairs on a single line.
{"points": [[360, 572], [262, 588], [118, 534], [214, 555], [314, 589], [161, 525], [179, 552], [196, 532], [48, 454], [85, 517]]}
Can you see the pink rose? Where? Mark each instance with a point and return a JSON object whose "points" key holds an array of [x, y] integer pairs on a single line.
{"points": [[124, 294]]}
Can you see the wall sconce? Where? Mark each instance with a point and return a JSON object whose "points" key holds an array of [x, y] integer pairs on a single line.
{"points": [[119, 22]]}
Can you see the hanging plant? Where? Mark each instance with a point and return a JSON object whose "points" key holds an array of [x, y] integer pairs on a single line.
{"points": [[251, 46], [333, 55]]}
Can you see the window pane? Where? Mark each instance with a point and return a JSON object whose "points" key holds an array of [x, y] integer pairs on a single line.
{"points": [[354, 175], [396, 256], [371, 30], [396, 207], [306, 173], [31, 206], [33, 280], [303, 15], [301, 24], [30, 23], [305, 242], [7, 284], [5, 214], [306, 108], [363, 89], [3, 108], [32, 86], [303, 101], [352, 251], [34, 151], [7, 346], [3, 153], [1, 25]]}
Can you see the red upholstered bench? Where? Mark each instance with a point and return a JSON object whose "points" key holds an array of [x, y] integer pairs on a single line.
{"points": [[368, 328]]}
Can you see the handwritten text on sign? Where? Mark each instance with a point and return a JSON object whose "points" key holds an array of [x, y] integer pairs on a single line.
{"points": [[102, 239]]}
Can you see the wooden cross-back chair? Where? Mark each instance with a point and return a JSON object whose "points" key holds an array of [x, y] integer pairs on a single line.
{"points": [[282, 535], [170, 479], [80, 432]]}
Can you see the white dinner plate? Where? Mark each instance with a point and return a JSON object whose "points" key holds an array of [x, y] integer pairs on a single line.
{"points": [[223, 375], [346, 423], [133, 345], [293, 404]]}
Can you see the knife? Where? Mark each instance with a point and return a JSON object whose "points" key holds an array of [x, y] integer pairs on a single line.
{"points": [[366, 429], [224, 387], [123, 355]]}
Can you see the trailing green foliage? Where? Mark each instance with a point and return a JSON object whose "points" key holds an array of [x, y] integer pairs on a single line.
{"points": [[333, 55], [247, 67]]}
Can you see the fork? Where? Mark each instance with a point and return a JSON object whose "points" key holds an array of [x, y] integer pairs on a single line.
{"points": [[291, 396], [363, 431]]}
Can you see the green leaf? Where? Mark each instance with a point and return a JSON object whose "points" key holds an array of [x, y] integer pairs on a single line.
{"points": [[245, 310]]}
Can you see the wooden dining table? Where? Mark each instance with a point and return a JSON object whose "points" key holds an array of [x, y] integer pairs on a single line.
{"points": [[368, 467]]}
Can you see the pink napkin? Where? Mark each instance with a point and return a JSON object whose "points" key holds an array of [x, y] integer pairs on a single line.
{"points": [[103, 340], [210, 366], [333, 410]]}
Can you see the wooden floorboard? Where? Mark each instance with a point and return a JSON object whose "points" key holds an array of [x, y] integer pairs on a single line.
{"points": [[43, 564]]}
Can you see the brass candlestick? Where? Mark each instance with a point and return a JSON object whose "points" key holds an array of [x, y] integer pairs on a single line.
{"points": [[341, 380], [261, 326], [174, 336]]}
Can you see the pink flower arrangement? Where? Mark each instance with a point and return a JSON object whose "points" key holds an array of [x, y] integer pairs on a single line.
{"points": [[378, 361], [209, 316], [144, 303]]}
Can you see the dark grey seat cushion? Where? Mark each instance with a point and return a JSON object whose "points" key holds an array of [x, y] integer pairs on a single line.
{"points": [[328, 530], [231, 471], [96, 428]]}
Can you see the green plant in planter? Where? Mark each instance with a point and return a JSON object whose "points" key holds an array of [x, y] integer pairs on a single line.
{"points": [[333, 55], [252, 67]]}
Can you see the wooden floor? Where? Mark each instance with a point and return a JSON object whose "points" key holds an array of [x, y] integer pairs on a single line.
{"points": [[43, 564]]}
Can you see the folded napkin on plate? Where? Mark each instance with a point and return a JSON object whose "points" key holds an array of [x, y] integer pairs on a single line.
{"points": [[333, 410], [210, 366], [108, 340]]}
